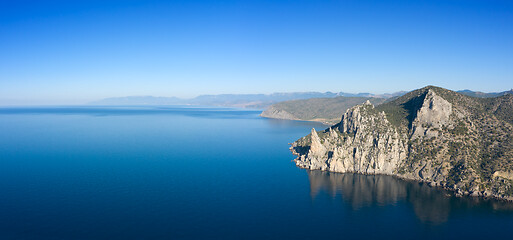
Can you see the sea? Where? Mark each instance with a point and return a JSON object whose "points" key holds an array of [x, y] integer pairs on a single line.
{"points": [[182, 172]]}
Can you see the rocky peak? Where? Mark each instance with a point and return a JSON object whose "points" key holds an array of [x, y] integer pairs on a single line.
{"points": [[316, 145], [434, 113], [368, 103], [359, 117], [332, 133]]}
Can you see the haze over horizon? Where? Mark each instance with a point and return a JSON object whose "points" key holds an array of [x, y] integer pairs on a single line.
{"points": [[70, 52]]}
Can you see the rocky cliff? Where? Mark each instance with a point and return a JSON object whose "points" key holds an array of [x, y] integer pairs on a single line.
{"points": [[430, 134]]}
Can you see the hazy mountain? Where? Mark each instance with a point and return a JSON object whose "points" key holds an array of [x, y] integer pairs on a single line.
{"points": [[368, 95], [253, 100], [139, 100], [232, 100], [484, 95]]}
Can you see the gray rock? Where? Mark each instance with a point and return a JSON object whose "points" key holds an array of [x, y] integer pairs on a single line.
{"points": [[436, 141]]}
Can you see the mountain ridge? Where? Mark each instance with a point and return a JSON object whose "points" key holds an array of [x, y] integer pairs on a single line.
{"points": [[258, 101], [329, 110]]}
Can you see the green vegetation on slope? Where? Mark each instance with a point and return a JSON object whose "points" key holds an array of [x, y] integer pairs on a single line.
{"points": [[328, 110]]}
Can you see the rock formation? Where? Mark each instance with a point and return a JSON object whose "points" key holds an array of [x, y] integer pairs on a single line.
{"points": [[431, 134]]}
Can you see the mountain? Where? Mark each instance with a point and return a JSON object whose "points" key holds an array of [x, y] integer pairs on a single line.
{"points": [[259, 101], [368, 95], [226, 100], [139, 100], [254, 100], [431, 134], [484, 95], [326, 110]]}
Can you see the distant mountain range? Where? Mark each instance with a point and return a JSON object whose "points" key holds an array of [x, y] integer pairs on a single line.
{"points": [[234, 100], [258, 101], [484, 95], [139, 100]]}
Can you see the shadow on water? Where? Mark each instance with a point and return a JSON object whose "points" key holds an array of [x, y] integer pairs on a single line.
{"points": [[431, 205]]}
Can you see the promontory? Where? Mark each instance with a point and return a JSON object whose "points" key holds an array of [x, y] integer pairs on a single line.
{"points": [[432, 135]]}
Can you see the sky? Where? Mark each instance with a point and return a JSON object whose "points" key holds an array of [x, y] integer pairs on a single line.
{"points": [[72, 52]]}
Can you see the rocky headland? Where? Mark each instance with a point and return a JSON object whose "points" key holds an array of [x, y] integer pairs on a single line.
{"points": [[431, 134]]}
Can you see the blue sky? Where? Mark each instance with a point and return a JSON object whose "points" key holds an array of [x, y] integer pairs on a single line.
{"points": [[78, 51]]}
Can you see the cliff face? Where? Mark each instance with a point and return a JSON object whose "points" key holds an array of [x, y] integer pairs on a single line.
{"points": [[431, 134], [352, 146]]}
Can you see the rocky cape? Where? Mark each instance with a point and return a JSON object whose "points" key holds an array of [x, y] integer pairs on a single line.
{"points": [[431, 134]]}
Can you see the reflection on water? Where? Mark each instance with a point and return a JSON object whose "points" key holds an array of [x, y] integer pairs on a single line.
{"points": [[430, 204], [287, 123]]}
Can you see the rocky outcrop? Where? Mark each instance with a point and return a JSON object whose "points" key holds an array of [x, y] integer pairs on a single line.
{"points": [[433, 114], [505, 175], [358, 148], [431, 134]]}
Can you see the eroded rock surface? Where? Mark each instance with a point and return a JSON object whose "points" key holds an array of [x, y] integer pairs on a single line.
{"points": [[431, 134]]}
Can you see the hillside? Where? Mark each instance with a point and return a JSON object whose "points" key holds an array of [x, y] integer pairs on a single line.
{"points": [[431, 134], [326, 110]]}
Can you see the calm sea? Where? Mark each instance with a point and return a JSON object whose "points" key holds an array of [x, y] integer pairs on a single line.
{"points": [[204, 173]]}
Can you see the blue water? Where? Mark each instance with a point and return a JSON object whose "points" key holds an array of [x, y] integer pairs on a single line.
{"points": [[203, 173]]}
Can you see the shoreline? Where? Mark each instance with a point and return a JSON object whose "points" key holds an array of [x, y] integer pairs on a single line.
{"points": [[486, 195]]}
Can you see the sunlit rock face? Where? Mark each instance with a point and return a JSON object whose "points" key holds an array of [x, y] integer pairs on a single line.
{"points": [[432, 135], [433, 114], [367, 143]]}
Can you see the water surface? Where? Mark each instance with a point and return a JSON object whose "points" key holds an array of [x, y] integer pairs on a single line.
{"points": [[203, 173]]}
